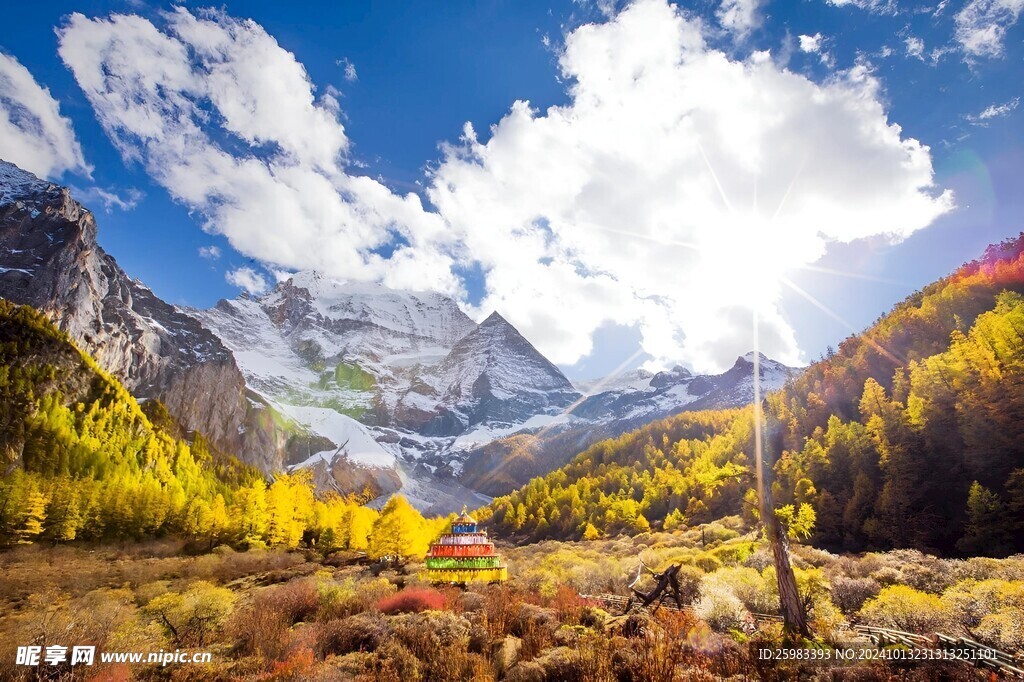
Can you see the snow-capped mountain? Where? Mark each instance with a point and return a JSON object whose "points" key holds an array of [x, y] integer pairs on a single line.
{"points": [[666, 392], [392, 380], [613, 406], [493, 375], [405, 381]]}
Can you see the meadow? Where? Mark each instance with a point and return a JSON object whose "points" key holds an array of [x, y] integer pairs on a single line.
{"points": [[268, 614]]}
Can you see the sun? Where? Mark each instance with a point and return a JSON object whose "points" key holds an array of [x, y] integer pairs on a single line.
{"points": [[746, 257]]}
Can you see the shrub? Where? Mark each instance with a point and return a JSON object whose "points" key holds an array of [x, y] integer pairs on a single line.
{"points": [[982, 568], [1003, 630], [849, 594], [259, 632], [396, 662], [661, 651], [150, 591], [362, 632], [887, 575], [690, 578], [426, 634], [296, 666], [708, 562], [749, 586], [295, 601], [568, 605], [530, 617], [760, 559], [560, 663], [716, 531], [924, 571], [412, 600], [904, 608], [192, 616], [733, 552], [826, 620], [587, 568], [815, 556], [338, 600], [719, 607], [503, 604], [357, 665], [990, 610], [473, 601]]}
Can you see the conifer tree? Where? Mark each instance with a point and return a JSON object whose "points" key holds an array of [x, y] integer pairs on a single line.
{"points": [[400, 531], [34, 516]]}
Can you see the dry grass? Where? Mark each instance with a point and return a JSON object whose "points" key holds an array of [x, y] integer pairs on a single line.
{"points": [[289, 618]]}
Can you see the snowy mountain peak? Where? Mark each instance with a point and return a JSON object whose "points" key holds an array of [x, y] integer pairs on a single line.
{"points": [[630, 380], [494, 320], [745, 363], [422, 314], [495, 345]]}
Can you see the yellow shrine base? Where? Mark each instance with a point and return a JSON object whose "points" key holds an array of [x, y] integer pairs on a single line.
{"points": [[466, 575]]}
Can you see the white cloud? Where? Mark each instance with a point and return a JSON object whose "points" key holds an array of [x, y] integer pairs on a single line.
{"points": [[109, 198], [674, 191], [810, 44], [33, 134], [994, 111], [982, 24], [248, 279], [227, 120], [211, 252], [915, 47], [739, 17], [350, 70], [874, 6], [816, 45]]}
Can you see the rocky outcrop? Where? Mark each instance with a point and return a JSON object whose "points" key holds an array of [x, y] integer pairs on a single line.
{"points": [[50, 259]]}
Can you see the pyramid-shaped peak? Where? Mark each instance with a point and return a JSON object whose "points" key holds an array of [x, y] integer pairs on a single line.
{"points": [[495, 319]]}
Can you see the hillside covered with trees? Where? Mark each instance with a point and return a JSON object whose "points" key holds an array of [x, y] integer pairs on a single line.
{"points": [[909, 435], [82, 460]]}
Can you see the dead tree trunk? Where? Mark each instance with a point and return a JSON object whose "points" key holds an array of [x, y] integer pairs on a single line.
{"points": [[789, 597], [667, 586], [793, 612]]}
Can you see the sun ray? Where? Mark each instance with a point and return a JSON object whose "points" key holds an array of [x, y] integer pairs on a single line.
{"points": [[758, 447], [825, 309], [536, 437], [852, 275], [789, 189], [714, 176]]}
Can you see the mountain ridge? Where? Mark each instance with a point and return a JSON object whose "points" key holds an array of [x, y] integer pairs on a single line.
{"points": [[368, 387]]}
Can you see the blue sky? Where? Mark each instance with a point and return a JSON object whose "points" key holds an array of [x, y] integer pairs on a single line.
{"points": [[422, 70]]}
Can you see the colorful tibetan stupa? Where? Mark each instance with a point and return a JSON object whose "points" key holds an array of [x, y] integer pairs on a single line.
{"points": [[464, 556]]}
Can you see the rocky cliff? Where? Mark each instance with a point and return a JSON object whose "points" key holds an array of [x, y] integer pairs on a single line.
{"points": [[50, 259]]}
